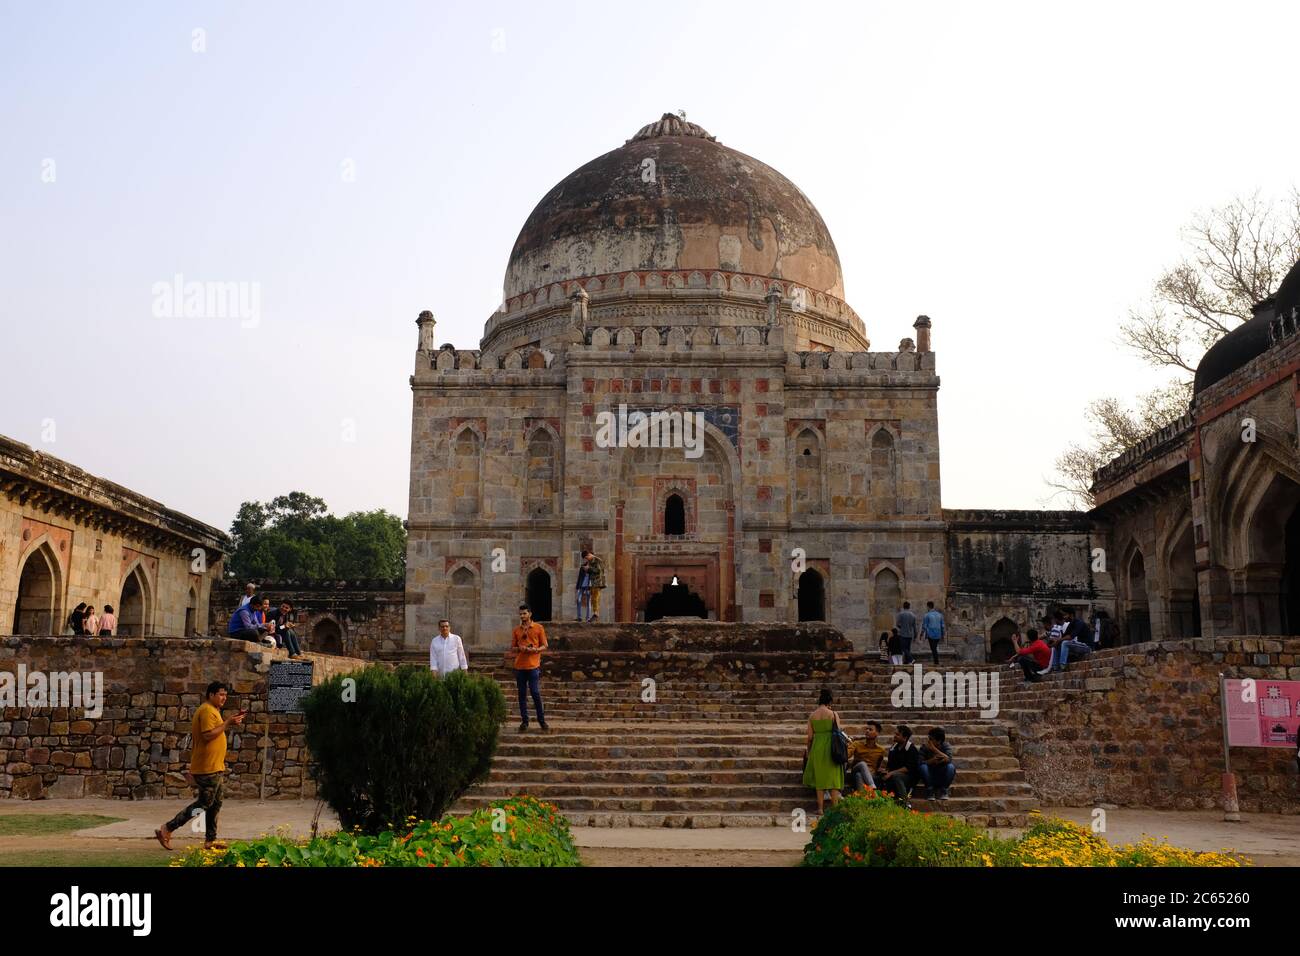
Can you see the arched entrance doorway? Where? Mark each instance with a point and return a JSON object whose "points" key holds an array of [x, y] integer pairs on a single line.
{"points": [[537, 594], [134, 607], [1268, 591], [812, 596], [1000, 646], [675, 599], [1137, 610], [327, 637], [36, 610], [1184, 601], [1291, 576]]}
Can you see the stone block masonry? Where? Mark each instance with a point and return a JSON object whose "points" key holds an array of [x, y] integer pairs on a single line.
{"points": [[1140, 726], [139, 746]]}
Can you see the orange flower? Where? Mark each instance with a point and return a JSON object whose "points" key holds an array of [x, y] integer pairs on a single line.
{"points": [[419, 852]]}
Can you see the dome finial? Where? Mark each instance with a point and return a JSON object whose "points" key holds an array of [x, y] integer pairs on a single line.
{"points": [[673, 124]]}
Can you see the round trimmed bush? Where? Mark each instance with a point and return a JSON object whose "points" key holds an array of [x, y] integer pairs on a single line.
{"points": [[397, 744]]}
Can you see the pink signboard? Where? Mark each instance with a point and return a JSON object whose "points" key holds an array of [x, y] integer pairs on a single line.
{"points": [[1270, 719]]}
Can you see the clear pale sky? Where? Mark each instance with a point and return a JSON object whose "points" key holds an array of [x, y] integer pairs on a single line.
{"points": [[1019, 172]]}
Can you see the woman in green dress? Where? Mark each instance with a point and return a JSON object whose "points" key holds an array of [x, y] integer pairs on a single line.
{"points": [[819, 771]]}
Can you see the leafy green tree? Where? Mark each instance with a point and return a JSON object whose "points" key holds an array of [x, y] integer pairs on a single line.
{"points": [[295, 537]]}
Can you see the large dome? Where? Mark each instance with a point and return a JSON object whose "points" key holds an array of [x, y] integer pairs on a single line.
{"points": [[1250, 339], [674, 198]]}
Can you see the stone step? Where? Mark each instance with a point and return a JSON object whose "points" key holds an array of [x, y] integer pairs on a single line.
{"points": [[585, 766], [746, 777], [791, 788], [698, 821], [571, 805], [703, 752]]}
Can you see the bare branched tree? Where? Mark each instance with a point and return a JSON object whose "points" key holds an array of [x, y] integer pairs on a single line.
{"points": [[1236, 256], [1115, 428]]}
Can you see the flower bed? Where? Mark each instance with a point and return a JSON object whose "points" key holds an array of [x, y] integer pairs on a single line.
{"points": [[869, 829], [519, 831]]}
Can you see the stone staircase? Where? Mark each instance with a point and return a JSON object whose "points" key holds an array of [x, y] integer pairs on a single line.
{"points": [[722, 741]]}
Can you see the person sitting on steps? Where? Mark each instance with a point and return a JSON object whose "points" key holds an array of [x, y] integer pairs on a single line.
{"points": [[902, 766], [937, 768], [1033, 657], [865, 757]]}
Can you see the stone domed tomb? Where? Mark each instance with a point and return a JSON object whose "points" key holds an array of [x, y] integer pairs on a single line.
{"points": [[675, 277]]}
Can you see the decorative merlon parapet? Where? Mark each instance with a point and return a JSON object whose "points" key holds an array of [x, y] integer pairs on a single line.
{"points": [[746, 345], [1147, 447]]}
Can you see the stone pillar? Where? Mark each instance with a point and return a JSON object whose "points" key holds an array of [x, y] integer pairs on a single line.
{"points": [[773, 300], [424, 353], [1215, 587], [922, 326]]}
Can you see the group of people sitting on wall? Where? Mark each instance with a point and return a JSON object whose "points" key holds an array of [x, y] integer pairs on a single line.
{"points": [[254, 620], [85, 621], [896, 770], [1064, 637]]}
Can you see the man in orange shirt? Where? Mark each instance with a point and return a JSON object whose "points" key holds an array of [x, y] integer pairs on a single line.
{"points": [[528, 641], [207, 764]]}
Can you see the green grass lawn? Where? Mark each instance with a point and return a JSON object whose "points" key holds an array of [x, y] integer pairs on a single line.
{"points": [[146, 856], [61, 824], [41, 824]]}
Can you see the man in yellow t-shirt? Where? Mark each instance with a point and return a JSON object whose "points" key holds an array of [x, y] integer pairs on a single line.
{"points": [[207, 764], [528, 641], [865, 758]]}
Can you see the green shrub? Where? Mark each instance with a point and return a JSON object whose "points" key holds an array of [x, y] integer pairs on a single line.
{"points": [[868, 829], [402, 744], [528, 833]]}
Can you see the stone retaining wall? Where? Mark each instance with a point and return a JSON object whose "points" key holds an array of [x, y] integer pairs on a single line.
{"points": [[1142, 727], [139, 746]]}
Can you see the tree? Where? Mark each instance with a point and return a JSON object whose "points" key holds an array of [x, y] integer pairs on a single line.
{"points": [[1115, 429], [294, 536], [1237, 254]]}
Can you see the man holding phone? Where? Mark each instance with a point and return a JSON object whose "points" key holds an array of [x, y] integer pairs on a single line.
{"points": [[527, 641], [207, 765]]}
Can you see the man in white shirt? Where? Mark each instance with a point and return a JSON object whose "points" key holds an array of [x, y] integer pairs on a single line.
{"points": [[249, 590], [446, 652]]}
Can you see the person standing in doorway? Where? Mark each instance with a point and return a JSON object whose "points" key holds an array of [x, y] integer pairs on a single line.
{"points": [[595, 581], [906, 623], [446, 651], [582, 590], [933, 626], [528, 641], [207, 765]]}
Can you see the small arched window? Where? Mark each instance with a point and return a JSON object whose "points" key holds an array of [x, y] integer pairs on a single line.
{"points": [[675, 515]]}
